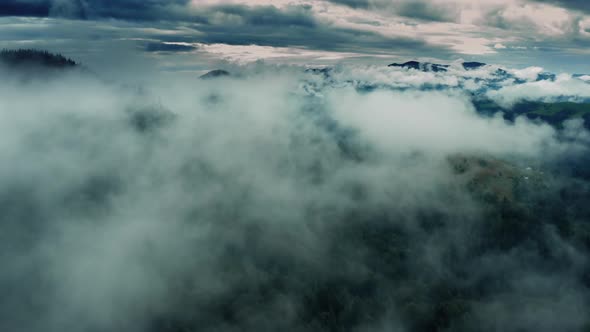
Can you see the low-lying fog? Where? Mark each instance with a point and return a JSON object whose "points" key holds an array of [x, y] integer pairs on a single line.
{"points": [[272, 200]]}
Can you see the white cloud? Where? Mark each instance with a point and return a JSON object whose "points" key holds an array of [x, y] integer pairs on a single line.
{"points": [[529, 73], [564, 87], [217, 178]]}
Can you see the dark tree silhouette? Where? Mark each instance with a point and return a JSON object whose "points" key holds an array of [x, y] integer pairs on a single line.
{"points": [[28, 57]]}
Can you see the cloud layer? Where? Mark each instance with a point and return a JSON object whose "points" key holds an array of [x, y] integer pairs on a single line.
{"points": [[284, 199], [553, 31]]}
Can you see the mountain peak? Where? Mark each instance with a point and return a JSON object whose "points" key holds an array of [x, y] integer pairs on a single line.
{"points": [[423, 66], [472, 65], [215, 74], [435, 67]]}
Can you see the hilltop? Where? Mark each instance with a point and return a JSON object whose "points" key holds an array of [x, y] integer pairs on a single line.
{"points": [[33, 57]]}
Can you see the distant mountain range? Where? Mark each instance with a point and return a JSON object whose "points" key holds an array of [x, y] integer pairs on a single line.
{"points": [[554, 112], [31, 63], [435, 67]]}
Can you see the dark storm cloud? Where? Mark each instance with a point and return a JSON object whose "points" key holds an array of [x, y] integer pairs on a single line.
{"points": [[267, 15], [167, 47], [35, 8], [353, 3], [425, 11], [582, 5], [296, 26], [292, 26], [416, 9], [83, 9], [172, 10], [131, 9]]}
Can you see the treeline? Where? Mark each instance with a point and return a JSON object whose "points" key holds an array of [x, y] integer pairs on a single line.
{"points": [[36, 57]]}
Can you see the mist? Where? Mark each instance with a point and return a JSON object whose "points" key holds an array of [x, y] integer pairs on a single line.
{"points": [[280, 199]]}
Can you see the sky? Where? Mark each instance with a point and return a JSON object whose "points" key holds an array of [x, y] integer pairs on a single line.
{"points": [[194, 35]]}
